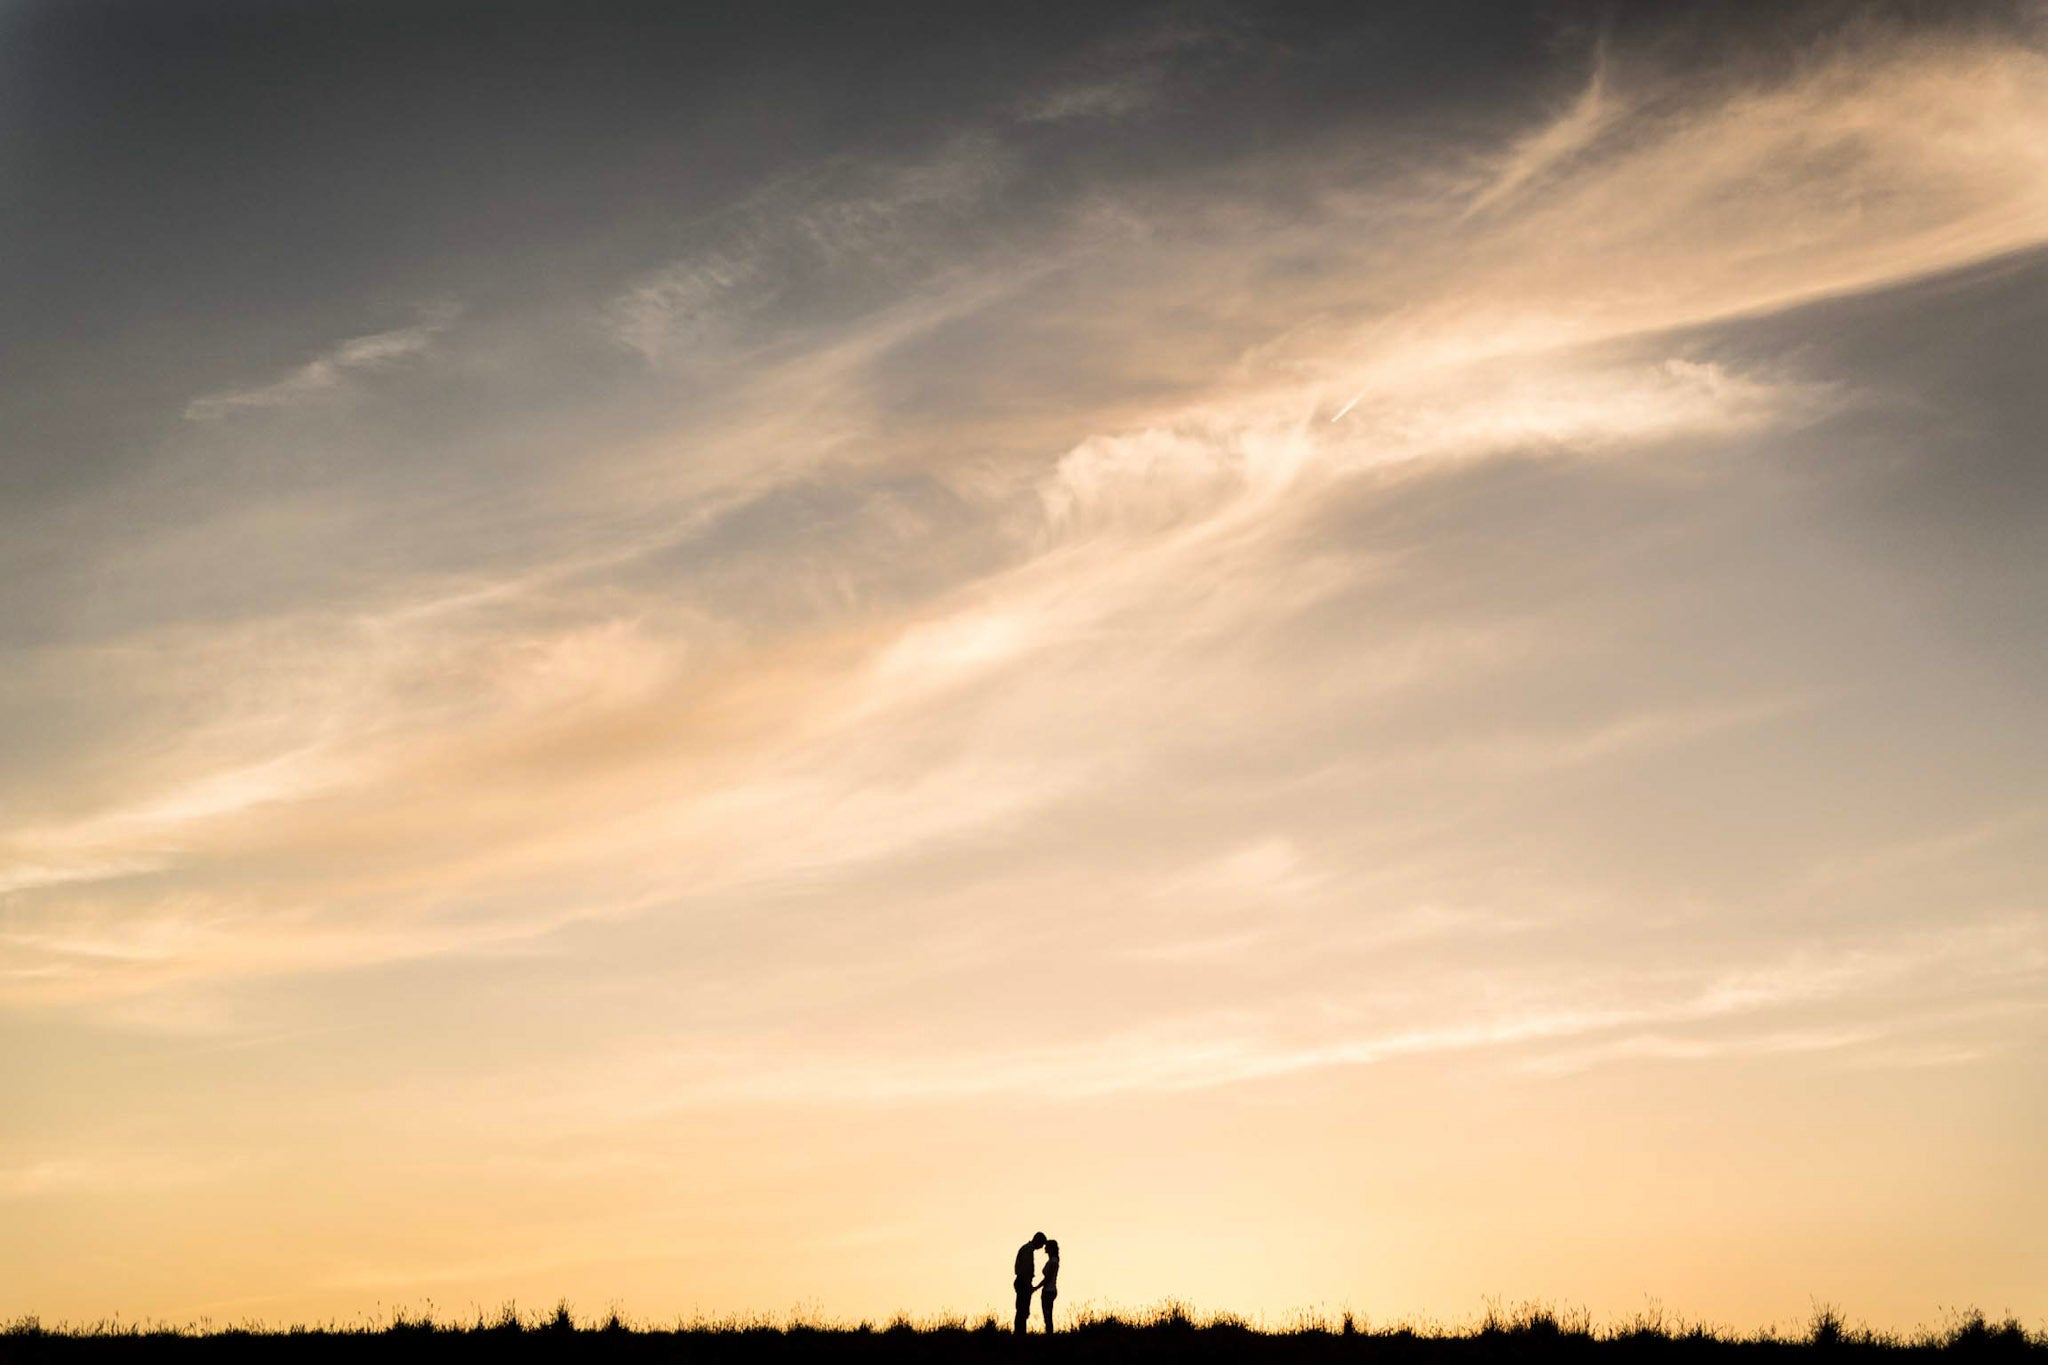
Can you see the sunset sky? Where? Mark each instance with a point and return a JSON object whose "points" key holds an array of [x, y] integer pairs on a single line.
{"points": [[716, 659]]}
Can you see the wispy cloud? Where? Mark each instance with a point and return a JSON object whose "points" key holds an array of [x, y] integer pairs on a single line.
{"points": [[331, 371], [1116, 562], [1537, 154], [1134, 74], [837, 221], [1673, 1015], [122, 1173]]}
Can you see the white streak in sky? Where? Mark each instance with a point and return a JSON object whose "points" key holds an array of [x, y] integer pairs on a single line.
{"points": [[327, 372]]}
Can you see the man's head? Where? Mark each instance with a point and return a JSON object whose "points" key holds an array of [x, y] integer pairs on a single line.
{"points": [[1037, 1239]]}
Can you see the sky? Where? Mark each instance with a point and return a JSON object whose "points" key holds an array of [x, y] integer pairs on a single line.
{"points": [[715, 660]]}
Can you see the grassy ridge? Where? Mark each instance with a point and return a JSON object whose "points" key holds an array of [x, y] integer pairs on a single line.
{"points": [[1168, 1334]]}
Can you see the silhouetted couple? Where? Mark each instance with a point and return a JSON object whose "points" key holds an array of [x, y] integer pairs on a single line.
{"points": [[1048, 1288]]}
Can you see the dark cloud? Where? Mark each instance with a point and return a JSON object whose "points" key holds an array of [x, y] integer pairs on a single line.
{"points": [[205, 191]]}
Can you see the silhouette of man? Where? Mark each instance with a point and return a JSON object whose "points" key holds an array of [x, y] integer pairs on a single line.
{"points": [[1027, 1269]]}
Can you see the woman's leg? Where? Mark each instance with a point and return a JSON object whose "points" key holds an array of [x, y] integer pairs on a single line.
{"points": [[1045, 1305]]}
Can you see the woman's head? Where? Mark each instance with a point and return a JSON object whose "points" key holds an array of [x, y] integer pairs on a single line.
{"points": [[1052, 1250]]}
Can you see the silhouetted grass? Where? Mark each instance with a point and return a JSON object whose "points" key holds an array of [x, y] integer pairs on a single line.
{"points": [[1171, 1332]]}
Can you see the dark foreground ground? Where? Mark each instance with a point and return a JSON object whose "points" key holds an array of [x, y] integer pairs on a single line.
{"points": [[1169, 1336]]}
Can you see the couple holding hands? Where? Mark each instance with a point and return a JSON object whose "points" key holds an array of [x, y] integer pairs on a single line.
{"points": [[1048, 1288]]}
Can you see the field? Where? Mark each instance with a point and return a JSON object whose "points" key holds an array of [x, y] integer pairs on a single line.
{"points": [[1169, 1334]]}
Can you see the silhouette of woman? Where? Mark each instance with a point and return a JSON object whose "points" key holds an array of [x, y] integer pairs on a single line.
{"points": [[1049, 1287]]}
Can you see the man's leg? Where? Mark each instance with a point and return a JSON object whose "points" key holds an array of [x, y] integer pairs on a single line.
{"points": [[1023, 1310]]}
